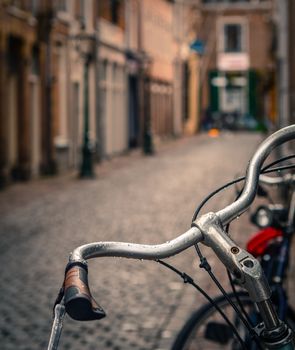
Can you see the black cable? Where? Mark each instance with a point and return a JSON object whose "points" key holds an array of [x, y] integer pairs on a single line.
{"points": [[188, 279], [291, 156], [279, 168], [204, 264], [206, 199], [238, 298], [241, 314], [266, 170], [233, 287]]}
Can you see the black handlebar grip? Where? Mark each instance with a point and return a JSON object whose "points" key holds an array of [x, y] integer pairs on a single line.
{"points": [[79, 303]]}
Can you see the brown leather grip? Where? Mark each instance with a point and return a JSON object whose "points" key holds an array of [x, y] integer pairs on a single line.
{"points": [[79, 303]]}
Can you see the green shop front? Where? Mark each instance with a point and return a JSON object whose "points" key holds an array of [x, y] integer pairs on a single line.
{"points": [[233, 93]]}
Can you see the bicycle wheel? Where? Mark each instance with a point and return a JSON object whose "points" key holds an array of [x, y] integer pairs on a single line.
{"points": [[207, 330]]}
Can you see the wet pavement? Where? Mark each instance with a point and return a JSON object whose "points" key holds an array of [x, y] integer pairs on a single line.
{"points": [[133, 198]]}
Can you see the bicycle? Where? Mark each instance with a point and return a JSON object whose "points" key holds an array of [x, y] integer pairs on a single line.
{"points": [[75, 299], [271, 246]]}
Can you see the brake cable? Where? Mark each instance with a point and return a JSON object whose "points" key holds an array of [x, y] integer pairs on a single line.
{"points": [[204, 263], [188, 279], [265, 170]]}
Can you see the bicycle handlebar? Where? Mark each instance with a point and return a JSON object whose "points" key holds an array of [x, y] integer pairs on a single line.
{"points": [[253, 171], [182, 242], [138, 251]]}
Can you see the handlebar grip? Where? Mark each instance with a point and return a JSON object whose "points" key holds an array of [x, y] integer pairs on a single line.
{"points": [[79, 303]]}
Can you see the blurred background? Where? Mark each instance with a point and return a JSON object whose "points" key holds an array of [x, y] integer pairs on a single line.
{"points": [[87, 81], [84, 80]]}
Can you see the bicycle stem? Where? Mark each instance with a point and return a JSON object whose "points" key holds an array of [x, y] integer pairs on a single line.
{"points": [[275, 334], [241, 264]]}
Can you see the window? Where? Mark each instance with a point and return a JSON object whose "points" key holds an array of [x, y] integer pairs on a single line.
{"points": [[232, 38], [61, 5], [232, 33], [80, 12], [112, 11], [115, 7]]}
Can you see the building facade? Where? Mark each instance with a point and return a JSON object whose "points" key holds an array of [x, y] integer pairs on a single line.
{"points": [[51, 98], [239, 61], [156, 19], [188, 68], [112, 79], [20, 80], [34, 88]]}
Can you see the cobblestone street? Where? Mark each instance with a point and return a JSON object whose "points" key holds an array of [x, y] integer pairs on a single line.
{"points": [[133, 198]]}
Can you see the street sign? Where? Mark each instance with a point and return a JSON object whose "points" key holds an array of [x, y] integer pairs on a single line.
{"points": [[198, 46], [233, 61]]}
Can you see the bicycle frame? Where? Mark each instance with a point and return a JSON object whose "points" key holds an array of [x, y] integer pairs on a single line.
{"points": [[208, 229]]}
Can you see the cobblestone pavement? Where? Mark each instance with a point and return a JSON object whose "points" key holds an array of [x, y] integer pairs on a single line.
{"points": [[134, 198]]}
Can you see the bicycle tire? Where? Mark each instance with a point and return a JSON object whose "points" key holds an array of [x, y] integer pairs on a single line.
{"points": [[195, 335]]}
